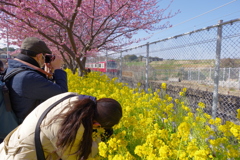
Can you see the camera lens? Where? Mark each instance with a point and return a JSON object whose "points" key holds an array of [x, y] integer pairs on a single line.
{"points": [[48, 58]]}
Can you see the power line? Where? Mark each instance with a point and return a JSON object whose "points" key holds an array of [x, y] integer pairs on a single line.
{"points": [[219, 18], [196, 16], [192, 18], [200, 24]]}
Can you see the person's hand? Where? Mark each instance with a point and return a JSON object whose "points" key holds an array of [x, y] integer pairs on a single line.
{"points": [[48, 68], [107, 134], [55, 64]]}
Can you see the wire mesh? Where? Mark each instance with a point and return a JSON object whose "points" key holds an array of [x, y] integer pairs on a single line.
{"points": [[189, 61]]}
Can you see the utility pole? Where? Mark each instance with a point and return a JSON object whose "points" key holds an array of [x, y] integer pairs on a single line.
{"points": [[7, 44]]}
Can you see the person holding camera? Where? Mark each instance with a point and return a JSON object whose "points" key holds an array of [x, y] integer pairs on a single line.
{"points": [[34, 85]]}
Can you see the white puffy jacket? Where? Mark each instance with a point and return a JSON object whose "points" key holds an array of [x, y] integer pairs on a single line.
{"points": [[19, 144]]}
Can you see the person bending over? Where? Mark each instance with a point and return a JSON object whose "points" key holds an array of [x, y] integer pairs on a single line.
{"points": [[66, 131]]}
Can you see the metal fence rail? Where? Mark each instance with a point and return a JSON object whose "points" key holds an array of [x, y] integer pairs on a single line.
{"points": [[204, 61]]}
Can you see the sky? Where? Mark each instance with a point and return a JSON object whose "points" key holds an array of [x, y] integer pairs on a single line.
{"points": [[195, 14]]}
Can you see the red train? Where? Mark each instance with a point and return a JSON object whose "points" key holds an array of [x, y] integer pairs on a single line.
{"points": [[109, 67]]}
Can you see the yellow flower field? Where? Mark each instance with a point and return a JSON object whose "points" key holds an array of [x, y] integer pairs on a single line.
{"points": [[159, 128]]}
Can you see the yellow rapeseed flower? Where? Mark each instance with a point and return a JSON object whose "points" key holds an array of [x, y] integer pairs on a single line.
{"points": [[182, 94], [103, 149], [177, 101], [232, 152], [192, 148], [235, 130], [238, 115], [164, 86], [207, 115], [201, 105], [201, 154], [155, 127], [138, 84], [169, 99], [184, 89], [184, 129], [164, 151]]}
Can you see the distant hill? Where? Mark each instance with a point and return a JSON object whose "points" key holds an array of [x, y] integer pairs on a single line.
{"points": [[9, 49]]}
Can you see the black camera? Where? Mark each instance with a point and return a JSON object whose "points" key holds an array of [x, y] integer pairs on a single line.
{"points": [[49, 58]]}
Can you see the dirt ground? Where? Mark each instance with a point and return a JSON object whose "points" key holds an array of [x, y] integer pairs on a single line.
{"points": [[203, 87]]}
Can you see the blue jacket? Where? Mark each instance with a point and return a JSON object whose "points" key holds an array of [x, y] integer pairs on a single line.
{"points": [[29, 88]]}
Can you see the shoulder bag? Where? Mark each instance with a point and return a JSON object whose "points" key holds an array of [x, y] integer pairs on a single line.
{"points": [[38, 144]]}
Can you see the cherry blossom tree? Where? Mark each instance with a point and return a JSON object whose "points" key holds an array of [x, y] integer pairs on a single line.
{"points": [[78, 29]]}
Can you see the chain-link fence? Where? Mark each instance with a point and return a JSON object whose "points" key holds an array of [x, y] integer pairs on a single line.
{"points": [[205, 61]]}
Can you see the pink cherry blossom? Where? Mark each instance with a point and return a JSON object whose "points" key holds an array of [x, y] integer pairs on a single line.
{"points": [[76, 28]]}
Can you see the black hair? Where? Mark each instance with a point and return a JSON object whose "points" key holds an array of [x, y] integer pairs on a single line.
{"points": [[106, 111]]}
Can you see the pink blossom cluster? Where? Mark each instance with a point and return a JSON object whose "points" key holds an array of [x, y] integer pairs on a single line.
{"points": [[80, 28]]}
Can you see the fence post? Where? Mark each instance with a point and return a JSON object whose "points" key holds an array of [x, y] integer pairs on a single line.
{"points": [[216, 70], [239, 78], [229, 73], [147, 62], [198, 75], [120, 73], [106, 62], [190, 74], [229, 77], [210, 74], [224, 73]]}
